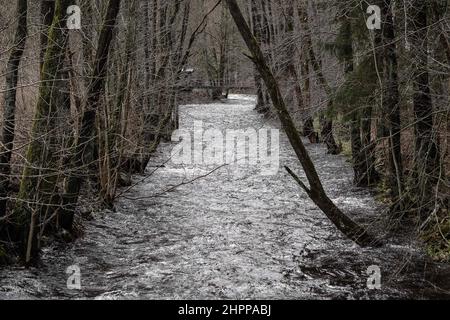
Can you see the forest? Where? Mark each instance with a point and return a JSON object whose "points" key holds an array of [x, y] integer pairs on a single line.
{"points": [[107, 189]]}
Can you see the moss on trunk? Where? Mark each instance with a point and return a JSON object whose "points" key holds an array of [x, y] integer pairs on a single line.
{"points": [[39, 176]]}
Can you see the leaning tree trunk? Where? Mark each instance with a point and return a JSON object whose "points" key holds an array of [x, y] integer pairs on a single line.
{"points": [[39, 177], [87, 127], [315, 191], [9, 113]]}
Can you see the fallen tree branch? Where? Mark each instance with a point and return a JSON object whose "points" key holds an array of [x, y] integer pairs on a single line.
{"points": [[296, 178], [124, 191], [176, 186]]}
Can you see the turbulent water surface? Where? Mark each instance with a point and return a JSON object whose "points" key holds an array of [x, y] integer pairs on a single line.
{"points": [[233, 233]]}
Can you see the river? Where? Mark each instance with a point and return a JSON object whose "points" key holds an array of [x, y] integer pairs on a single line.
{"points": [[233, 233]]}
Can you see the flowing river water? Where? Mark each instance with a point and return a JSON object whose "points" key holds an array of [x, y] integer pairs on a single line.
{"points": [[233, 233]]}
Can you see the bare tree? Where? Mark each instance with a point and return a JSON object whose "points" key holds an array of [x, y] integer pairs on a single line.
{"points": [[315, 189], [39, 177], [12, 75], [87, 127], [427, 163]]}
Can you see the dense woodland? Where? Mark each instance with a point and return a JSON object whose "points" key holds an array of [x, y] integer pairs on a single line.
{"points": [[82, 110]]}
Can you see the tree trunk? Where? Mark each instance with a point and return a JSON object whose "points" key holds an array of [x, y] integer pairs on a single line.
{"points": [[96, 88], [315, 191], [257, 31], [358, 159], [114, 118], [427, 159], [308, 122], [158, 118], [39, 177], [12, 75], [360, 178], [368, 147], [47, 12], [392, 103], [326, 132], [325, 121]]}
